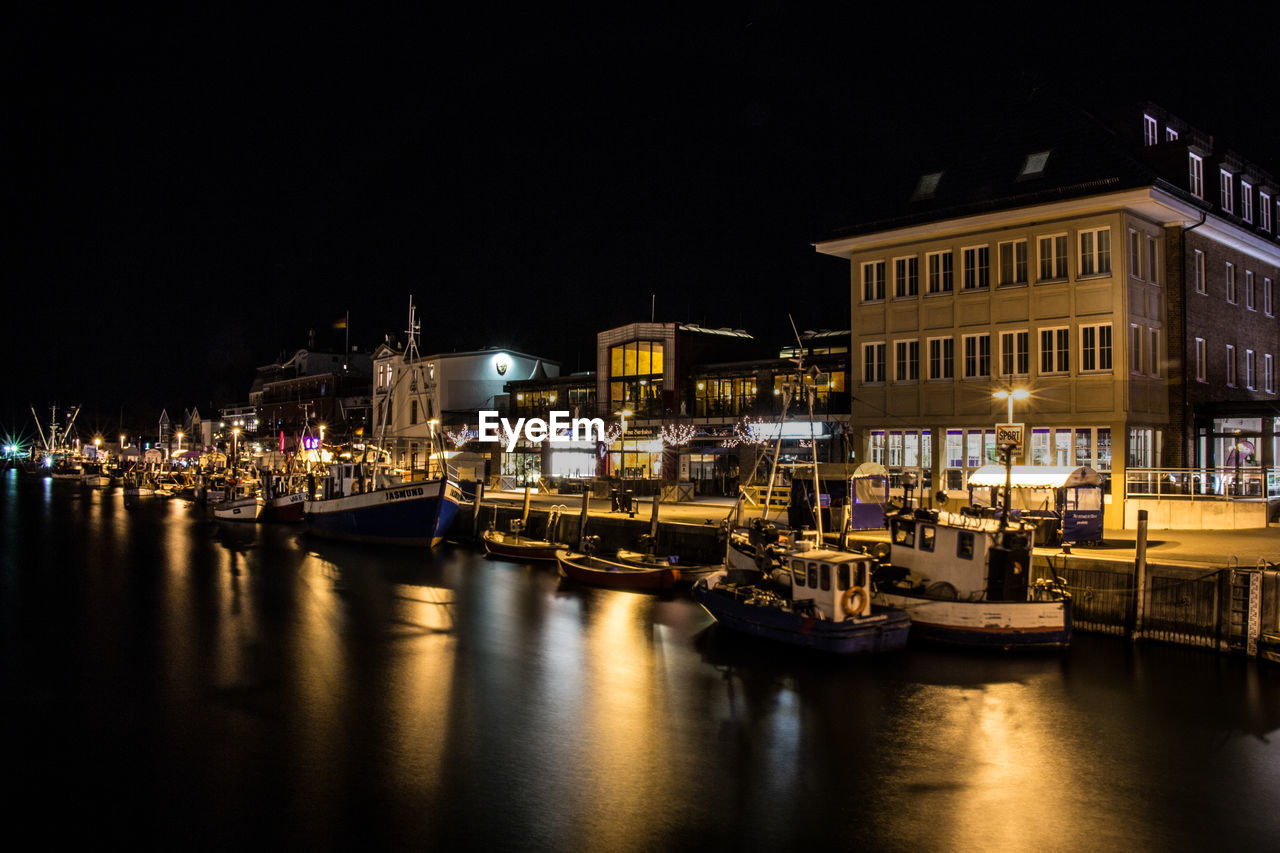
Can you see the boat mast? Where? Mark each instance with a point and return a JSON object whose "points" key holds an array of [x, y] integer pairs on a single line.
{"points": [[810, 392], [414, 357]]}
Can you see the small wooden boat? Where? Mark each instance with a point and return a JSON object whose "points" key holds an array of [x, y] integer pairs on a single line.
{"points": [[516, 546], [596, 571], [689, 572], [828, 607]]}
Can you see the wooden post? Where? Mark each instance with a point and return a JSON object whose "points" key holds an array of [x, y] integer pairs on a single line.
{"points": [[653, 527], [524, 516], [582, 519], [1140, 576], [475, 513]]}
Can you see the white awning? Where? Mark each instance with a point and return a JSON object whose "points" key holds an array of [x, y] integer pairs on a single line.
{"points": [[1036, 476]]}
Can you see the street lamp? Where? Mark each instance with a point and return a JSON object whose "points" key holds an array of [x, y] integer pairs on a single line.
{"points": [[1015, 394], [179, 434]]}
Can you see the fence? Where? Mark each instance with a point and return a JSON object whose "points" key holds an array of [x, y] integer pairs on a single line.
{"points": [[1225, 609], [1193, 483]]}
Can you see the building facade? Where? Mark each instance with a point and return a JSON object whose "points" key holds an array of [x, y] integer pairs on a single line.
{"points": [[1097, 271]]}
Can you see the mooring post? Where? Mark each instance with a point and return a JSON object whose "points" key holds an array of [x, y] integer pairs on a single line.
{"points": [[1140, 575], [475, 512]]}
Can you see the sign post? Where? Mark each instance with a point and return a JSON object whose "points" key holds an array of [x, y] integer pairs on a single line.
{"points": [[1009, 440]]}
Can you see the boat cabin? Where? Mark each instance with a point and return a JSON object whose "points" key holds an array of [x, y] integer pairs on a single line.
{"points": [[964, 556], [354, 478], [837, 582]]}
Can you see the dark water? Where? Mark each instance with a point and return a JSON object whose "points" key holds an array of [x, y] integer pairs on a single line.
{"points": [[173, 682]]}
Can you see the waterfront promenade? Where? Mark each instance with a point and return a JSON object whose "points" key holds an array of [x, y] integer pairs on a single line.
{"points": [[1189, 548]]}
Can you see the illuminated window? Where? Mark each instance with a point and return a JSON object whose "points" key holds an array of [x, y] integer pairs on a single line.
{"points": [[636, 377], [1196, 181], [1170, 134], [1268, 307], [1201, 372], [1055, 350], [941, 272], [1053, 257], [1264, 208], [1246, 200], [1095, 251], [1231, 282], [1250, 381], [1201, 287], [1095, 347], [1149, 130], [1226, 190], [1268, 374]]}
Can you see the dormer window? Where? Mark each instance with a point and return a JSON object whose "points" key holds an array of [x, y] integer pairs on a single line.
{"points": [[1226, 190], [1246, 200], [1034, 165], [1196, 180], [927, 186], [1170, 134], [1150, 131]]}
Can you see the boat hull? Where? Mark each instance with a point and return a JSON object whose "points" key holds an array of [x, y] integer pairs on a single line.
{"points": [[883, 631], [287, 508], [597, 572], [240, 509], [985, 624], [688, 572], [418, 514], [519, 548]]}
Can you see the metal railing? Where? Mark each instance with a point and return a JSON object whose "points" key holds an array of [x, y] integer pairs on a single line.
{"points": [[1203, 483]]}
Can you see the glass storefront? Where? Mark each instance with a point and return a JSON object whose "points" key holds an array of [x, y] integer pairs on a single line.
{"points": [[635, 377]]}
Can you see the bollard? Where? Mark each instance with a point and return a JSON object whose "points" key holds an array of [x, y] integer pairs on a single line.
{"points": [[1140, 575]]}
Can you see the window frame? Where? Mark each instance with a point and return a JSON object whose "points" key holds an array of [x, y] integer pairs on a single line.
{"points": [[1095, 350], [945, 360], [945, 275], [877, 284], [906, 286], [1019, 356], [1092, 262], [980, 271], [880, 371], [1150, 130], [1195, 179], [911, 365], [1060, 351], [1014, 263], [1202, 371], [1135, 349], [1058, 256], [1201, 285], [1268, 373], [1246, 201], [1153, 344], [1230, 273], [978, 356], [1231, 366], [1226, 191], [1250, 300]]}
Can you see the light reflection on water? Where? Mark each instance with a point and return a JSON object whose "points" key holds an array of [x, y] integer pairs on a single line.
{"points": [[208, 684]]}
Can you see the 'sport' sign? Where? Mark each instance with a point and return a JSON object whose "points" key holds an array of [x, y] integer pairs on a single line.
{"points": [[1010, 435]]}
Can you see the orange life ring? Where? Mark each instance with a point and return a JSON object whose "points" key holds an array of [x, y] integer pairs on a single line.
{"points": [[855, 599]]}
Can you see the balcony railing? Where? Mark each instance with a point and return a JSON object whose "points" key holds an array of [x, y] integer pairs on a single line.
{"points": [[1203, 483]]}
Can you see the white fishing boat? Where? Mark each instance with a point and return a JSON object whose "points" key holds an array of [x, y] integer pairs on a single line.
{"points": [[964, 578]]}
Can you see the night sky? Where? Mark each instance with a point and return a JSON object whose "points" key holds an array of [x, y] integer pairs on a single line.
{"points": [[191, 194]]}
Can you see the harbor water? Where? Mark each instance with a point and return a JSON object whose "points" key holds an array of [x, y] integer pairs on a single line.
{"points": [[174, 682]]}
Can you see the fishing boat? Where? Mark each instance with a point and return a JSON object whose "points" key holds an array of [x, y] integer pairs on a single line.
{"points": [[96, 475], [589, 569], [371, 501], [688, 571], [964, 578], [516, 545], [244, 502], [827, 607]]}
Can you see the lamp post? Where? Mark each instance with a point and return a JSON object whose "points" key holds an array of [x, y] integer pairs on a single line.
{"points": [[179, 435], [1009, 395]]}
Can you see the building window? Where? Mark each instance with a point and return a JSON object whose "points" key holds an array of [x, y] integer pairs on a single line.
{"points": [[873, 281], [1135, 348], [977, 267], [1095, 251], [941, 272], [1268, 307], [977, 356], [1150, 132], [1153, 352], [1231, 283], [1268, 374], [1170, 134], [906, 276], [1153, 256], [1034, 164], [906, 359], [413, 411], [1226, 190], [1248, 291], [1246, 200], [942, 357], [1095, 347], [1201, 372], [1053, 257], [1196, 164], [1055, 350], [1250, 378], [1199, 272], [1015, 353], [873, 363], [1264, 208], [1013, 262], [1135, 254], [1231, 365], [636, 371]]}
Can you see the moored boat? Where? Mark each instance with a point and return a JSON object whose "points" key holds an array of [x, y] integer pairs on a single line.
{"points": [[516, 545], [828, 606], [362, 503], [596, 571], [965, 580], [243, 508], [688, 571]]}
